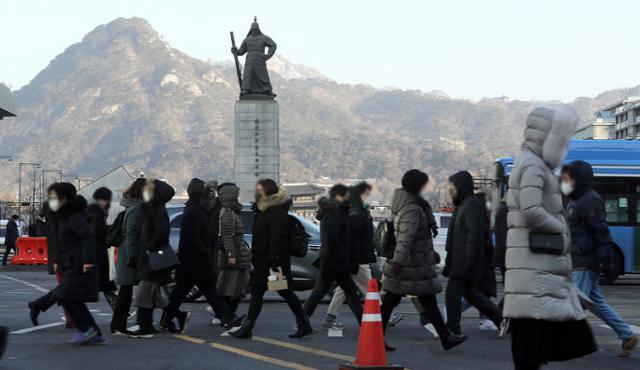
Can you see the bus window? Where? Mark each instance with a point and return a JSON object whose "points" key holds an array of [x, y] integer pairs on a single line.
{"points": [[444, 222], [617, 209]]}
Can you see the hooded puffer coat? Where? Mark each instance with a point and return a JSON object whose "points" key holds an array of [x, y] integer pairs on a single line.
{"points": [[414, 249], [538, 286]]}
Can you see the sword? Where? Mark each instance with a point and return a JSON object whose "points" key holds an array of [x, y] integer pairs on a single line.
{"points": [[235, 57]]}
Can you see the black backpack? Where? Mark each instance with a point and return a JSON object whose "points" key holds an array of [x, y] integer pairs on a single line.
{"points": [[385, 239], [116, 231], [299, 240]]}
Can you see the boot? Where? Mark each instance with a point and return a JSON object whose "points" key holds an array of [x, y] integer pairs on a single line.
{"points": [[245, 331], [304, 328], [145, 322], [34, 311], [452, 340]]}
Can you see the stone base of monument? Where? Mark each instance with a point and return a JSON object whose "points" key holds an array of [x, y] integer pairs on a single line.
{"points": [[257, 144]]}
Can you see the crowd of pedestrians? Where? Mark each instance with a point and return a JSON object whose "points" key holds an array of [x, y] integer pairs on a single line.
{"points": [[550, 256]]}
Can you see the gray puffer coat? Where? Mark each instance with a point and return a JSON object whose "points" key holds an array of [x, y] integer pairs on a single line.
{"points": [[414, 249], [126, 275], [538, 286], [231, 231]]}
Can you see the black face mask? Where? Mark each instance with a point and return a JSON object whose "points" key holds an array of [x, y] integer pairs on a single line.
{"points": [[257, 197]]}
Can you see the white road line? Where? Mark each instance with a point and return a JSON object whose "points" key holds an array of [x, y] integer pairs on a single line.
{"points": [[39, 327], [34, 286], [635, 328]]}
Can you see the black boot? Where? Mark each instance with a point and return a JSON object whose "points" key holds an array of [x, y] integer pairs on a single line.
{"points": [[245, 331], [112, 299], [304, 328], [34, 311], [452, 340], [145, 322]]}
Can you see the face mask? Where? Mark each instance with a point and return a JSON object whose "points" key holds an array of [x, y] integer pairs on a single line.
{"points": [[424, 194], [147, 196], [257, 197], [367, 202], [54, 205], [566, 188]]}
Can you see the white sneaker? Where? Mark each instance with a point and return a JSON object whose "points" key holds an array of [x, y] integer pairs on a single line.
{"points": [[487, 324], [216, 321], [431, 329], [210, 310]]}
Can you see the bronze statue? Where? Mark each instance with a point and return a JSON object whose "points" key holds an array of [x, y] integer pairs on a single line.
{"points": [[255, 80]]}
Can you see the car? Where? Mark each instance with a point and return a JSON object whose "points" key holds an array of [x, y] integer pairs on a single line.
{"points": [[302, 269]]}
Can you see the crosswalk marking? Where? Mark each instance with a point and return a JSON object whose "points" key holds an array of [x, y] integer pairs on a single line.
{"points": [[259, 357], [298, 347], [34, 286], [39, 327]]}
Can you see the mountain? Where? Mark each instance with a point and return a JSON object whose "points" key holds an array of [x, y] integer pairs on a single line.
{"points": [[123, 95]]}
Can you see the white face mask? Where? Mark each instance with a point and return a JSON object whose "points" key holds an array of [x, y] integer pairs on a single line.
{"points": [[566, 188], [54, 205], [424, 194], [147, 196]]}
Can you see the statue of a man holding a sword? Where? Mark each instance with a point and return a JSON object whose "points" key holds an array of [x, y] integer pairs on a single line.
{"points": [[255, 79]]}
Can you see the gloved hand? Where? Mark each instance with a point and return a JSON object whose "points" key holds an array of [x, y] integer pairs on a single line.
{"points": [[132, 262], [396, 268], [436, 256], [434, 231]]}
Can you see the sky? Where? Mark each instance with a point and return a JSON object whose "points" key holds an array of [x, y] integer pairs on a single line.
{"points": [[536, 49]]}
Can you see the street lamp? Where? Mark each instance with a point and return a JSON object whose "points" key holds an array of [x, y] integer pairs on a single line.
{"points": [[75, 177], [34, 165], [44, 172]]}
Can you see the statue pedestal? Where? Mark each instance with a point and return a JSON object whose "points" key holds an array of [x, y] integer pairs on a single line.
{"points": [[257, 144]]}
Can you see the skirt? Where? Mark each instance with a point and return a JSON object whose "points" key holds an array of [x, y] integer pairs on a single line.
{"points": [[536, 342], [151, 294], [233, 283]]}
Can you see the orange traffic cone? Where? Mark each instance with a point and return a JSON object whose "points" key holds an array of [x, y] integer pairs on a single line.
{"points": [[371, 354]]}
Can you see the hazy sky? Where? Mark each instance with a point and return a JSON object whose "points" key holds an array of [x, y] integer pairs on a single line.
{"points": [[536, 49]]}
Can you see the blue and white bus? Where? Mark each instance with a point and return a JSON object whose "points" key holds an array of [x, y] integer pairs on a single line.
{"points": [[616, 166]]}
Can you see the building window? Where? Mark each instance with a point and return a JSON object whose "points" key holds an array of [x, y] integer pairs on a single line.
{"points": [[617, 209]]}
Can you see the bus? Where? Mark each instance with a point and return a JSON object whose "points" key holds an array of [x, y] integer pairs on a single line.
{"points": [[616, 167]]}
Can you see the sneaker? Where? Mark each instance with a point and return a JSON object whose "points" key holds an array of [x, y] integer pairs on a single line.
{"points": [[98, 339], [80, 338], [34, 311], [432, 329], [210, 310], [487, 324], [628, 345], [329, 321], [142, 334], [216, 321]]}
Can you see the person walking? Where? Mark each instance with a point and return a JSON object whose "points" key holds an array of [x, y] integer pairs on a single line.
{"points": [[127, 255], [541, 305], [338, 258], [75, 260], [362, 250], [591, 246], [154, 235], [234, 257], [465, 248], [412, 269], [10, 239], [97, 218], [270, 251], [197, 262]]}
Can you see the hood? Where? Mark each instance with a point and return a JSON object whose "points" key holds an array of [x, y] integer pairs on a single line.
{"points": [[548, 133], [325, 205], [582, 173], [228, 196], [195, 189], [74, 205], [129, 202], [401, 198], [355, 199], [162, 192], [277, 199], [463, 181]]}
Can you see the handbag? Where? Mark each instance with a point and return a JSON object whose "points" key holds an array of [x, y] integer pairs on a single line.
{"points": [[546, 243], [162, 259], [277, 281]]}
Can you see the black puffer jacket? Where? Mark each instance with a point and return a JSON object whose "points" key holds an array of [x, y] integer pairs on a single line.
{"points": [[231, 232], [335, 249], [465, 237], [271, 237], [360, 232], [97, 220], [591, 243], [154, 233], [76, 246], [197, 258]]}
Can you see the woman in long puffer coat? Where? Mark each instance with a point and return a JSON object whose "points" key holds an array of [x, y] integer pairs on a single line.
{"points": [[234, 258], [546, 320]]}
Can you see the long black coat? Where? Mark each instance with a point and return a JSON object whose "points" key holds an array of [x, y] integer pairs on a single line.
{"points": [[11, 234], [361, 234], [270, 244], [97, 220], [76, 246], [197, 258], [51, 226], [465, 237], [154, 233], [335, 248], [500, 229]]}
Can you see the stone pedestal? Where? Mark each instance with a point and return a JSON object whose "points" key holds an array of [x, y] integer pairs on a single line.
{"points": [[257, 144]]}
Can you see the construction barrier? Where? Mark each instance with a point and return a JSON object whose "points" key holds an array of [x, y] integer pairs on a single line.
{"points": [[371, 353], [30, 251]]}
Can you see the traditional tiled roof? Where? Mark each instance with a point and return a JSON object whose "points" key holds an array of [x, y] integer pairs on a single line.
{"points": [[299, 189]]}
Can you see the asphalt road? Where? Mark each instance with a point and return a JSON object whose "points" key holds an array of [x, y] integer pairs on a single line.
{"points": [[46, 347]]}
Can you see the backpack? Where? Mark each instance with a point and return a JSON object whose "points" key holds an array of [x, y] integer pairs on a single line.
{"points": [[299, 240], [384, 239], [116, 231]]}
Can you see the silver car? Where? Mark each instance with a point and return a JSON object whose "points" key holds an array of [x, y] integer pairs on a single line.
{"points": [[304, 273]]}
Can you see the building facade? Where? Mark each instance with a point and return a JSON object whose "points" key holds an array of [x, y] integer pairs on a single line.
{"points": [[601, 128], [305, 197], [626, 118]]}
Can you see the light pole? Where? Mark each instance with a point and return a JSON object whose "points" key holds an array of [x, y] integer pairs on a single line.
{"points": [[44, 172], [84, 179], [35, 165]]}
